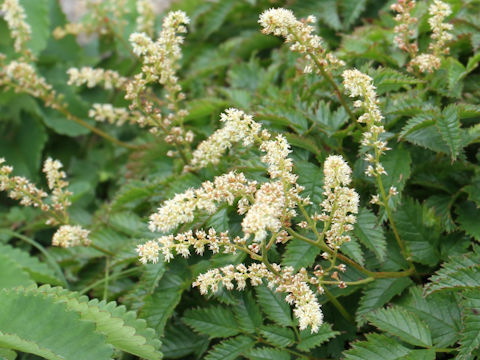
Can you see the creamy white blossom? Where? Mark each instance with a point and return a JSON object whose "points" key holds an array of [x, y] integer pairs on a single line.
{"points": [[91, 77], [282, 22], [403, 30], [68, 236], [15, 17]]}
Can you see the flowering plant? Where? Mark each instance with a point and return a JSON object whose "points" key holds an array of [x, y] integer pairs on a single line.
{"points": [[241, 197]]}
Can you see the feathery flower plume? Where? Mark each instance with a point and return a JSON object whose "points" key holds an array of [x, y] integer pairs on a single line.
{"points": [[69, 236], [403, 29], [239, 127], [428, 63], [181, 209], [146, 17], [341, 202], [180, 244], [361, 85], [14, 15], [306, 307], [57, 184], [91, 77], [109, 113], [282, 22]]}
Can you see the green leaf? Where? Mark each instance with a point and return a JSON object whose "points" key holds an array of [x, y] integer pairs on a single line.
{"points": [[267, 353], [309, 341], [23, 148], [439, 311], [215, 321], [247, 313], [468, 215], [179, 341], [160, 304], [387, 79], [397, 163], [352, 9], [312, 180], [230, 349], [449, 127], [379, 347], [353, 250], [6, 354], [39, 20], [38, 271], [274, 305], [455, 72], [12, 274], [412, 228], [403, 324], [121, 327], [299, 254], [428, 137], [470, 335], [378, 293], [473, 191], [34, 323], [277, 335], [216, 16], [370, 233]]}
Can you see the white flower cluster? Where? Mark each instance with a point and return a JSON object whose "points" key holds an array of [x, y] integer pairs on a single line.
{"points": [[19, 188], [276, 157], [239, 127], [361, 85], [160, 58], [110, 114], [57, 184], [428, 63], [181, 209], [266, 212], [181, 243], [403, 29], [93, 77], [341, 202], [282, 22], [23, 78], [70, 235], [306, 307], [438, 12], [14, 15], [146, 17]]}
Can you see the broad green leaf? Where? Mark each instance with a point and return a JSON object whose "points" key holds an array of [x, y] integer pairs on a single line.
{"points": [[38, 271], [179, 341], [387, 79], [397, 163], [449, 127], [216, 16], [455, 73], [121, 327], [419, 238], [370, 233], [299, 254], [160, 304], [353, 250], [439, 311], [267, 353], [378, 347], [39, 20], [468, 215], [418, 122], [12, 274], [274, 305], [309, 341], [311, 178], [26, 324], [277, 335], [351, 10], [403, 324], [470, 335], [430, 138], [7, 354], [378, 293], [473, 191], [247, 313], [448, 278], [215, 321], [230, 349]]}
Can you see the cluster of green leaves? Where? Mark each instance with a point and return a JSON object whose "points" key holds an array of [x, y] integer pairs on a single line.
{"points": [[432, 124]]}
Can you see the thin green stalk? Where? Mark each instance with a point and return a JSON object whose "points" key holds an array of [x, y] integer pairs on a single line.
{"points": [[112, 277], [107, 273], [40, 248], [105, 251], [339, 306]]}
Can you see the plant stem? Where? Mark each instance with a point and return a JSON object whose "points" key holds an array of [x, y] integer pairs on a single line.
{"points": [[105, 251], [107, 271], [113, 276], [40, 248], [339, 306]]}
